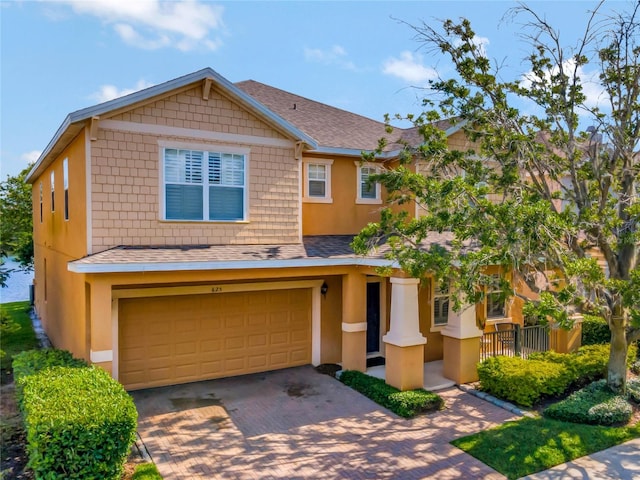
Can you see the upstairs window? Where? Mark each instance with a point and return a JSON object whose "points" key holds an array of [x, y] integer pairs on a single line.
{"points": [[441, 295], [202, 186], [65, 182], [317, 181], [368, 192], [495, 300], [53, 187], [41, 197]]}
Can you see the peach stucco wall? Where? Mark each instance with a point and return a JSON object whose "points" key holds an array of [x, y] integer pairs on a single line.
{"points": [[344, 215], [126, 175], [56, 242]]}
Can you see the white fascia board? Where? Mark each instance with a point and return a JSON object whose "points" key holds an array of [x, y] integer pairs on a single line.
{"points": [[455, 128], [232, 265], [353, 152], [61, 129]]}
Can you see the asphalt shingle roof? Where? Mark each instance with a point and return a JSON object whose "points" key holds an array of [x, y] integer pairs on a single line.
{"points": [[329, 126], [314, 249]]}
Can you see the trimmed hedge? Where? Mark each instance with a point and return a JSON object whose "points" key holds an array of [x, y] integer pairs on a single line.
{"points": [[528, 381], [80, 422], [31, 362], [595, 404], [595, 330], [522, 381], [406, 404]]}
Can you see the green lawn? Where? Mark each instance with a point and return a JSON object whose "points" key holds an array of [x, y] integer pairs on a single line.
{"points": [[16, 342], [529, 445]]}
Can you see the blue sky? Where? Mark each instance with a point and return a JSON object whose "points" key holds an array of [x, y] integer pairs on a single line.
{"points": [[60, 56]]}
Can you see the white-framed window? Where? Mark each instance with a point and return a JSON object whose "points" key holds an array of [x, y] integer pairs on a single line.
{"points": [[53, 188], [494, 300], [441, 301], [317, 180], [368, 192], [204, 185], [65, 183]]}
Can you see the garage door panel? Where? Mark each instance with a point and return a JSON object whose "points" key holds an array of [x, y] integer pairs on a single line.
{"points": [[234, 321], [211, 346], [196, 337], [278, 319]]}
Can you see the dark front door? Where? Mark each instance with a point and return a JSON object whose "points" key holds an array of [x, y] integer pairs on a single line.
{"points": [[373, 317]]}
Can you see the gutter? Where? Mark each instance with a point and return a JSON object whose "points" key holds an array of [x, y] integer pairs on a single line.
{"points": [[230, 265]]}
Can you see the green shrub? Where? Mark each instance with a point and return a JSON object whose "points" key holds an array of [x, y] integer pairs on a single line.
{"points": [[31, 362], [595, 330], [595, 404], [635, 367], [80, 423], [406, 404], [590, 364], [633, 390], [522, 381]]}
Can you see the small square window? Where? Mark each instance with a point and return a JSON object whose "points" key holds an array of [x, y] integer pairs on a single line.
{"points": [[368, 191], [317, 181], [441, 299]]}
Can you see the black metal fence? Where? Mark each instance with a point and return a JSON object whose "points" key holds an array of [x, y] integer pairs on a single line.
{"points": [[511, 339]]}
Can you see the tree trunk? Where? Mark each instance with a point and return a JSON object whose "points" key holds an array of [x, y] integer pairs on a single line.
{"points": [[617, 369]]}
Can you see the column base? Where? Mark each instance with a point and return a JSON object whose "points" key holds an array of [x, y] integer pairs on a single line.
{"points": [[461, 357], [354, 351], [404, 366]]}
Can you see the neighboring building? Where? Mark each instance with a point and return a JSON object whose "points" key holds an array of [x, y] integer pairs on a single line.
{"points": [[200, 229]]}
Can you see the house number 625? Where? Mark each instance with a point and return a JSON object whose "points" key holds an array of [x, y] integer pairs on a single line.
{"points": [[216, 289]]}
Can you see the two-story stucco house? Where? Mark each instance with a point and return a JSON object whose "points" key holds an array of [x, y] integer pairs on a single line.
{"points": [[200, 229]]}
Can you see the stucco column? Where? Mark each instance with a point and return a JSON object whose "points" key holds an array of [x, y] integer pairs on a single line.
{"points": [[101, 327], [461, 345], [404, 349], [354, 322]]}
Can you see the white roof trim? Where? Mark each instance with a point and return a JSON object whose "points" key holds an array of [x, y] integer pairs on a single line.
{"points": [[230, 265]]}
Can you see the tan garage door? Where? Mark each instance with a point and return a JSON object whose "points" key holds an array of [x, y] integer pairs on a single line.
{"points": [[178, 339]]}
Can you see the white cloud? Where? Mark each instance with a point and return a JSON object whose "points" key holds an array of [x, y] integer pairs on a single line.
{"points": [[336, 55], [32, 156], [109, 92], [409, 68], [154, 24]]}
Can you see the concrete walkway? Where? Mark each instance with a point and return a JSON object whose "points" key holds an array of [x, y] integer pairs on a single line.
{"points": [[297, 423], [621, 462]]}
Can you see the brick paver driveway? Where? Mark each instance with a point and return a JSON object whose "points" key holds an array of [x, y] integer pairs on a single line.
{"points": [[297, 423]]}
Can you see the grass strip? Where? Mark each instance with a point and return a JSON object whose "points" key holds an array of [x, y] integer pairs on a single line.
{"points": [[17, 341], [530, 445]]}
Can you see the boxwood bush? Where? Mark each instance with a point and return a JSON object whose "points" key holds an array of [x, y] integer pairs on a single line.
{"points": [[595, 330], [522, 381], [80, 423], [595, 404], [406, 404], [31, 362]]}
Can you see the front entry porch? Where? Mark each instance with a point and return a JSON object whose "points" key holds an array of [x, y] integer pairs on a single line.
{"points": [[433, 376]]}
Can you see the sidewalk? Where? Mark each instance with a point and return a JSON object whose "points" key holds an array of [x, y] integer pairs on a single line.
{"points": [[621, 462]]}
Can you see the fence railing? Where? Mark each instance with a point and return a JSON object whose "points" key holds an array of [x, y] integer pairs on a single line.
{"points": [[513, 340]]}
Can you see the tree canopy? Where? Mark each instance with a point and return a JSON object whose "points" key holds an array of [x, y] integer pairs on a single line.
{"points": [[16, 220], [543, 190]]}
